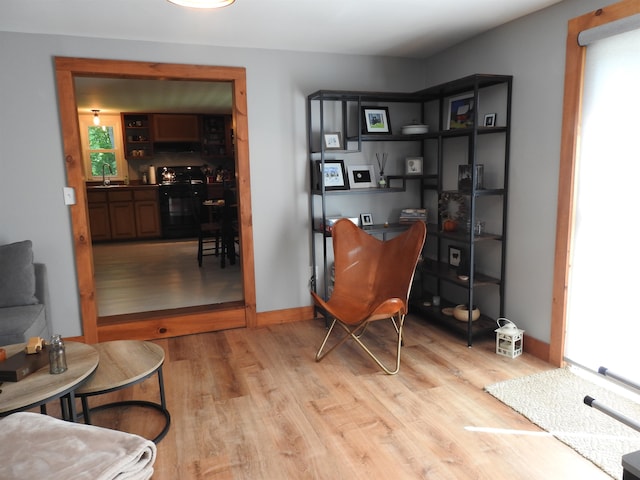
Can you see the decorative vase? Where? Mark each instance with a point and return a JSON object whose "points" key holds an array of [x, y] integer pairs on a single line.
{"points": [[382, 183], [449, 225], [461, 313]]}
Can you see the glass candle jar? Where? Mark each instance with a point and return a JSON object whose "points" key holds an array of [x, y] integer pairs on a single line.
{"points": [[57, 355]]}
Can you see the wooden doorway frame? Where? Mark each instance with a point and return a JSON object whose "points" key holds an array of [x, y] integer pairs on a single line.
{"points": [[572, 113], [167, 323]]}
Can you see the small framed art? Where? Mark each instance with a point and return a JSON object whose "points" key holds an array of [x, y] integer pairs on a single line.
{"points": [[455, 256], [333, 141], [361, 176], [376, 120], [461, 111], [490, 120], [366, 219], [333, 176], [414, 166]]}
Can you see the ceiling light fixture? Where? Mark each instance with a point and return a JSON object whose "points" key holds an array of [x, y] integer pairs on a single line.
{"points": [[203, 3], [96, 117]]}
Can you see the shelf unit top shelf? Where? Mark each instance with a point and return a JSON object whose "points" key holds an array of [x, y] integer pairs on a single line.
{"points": [[431, 93]]}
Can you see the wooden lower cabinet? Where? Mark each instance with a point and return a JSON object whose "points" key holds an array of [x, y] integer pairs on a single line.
{"points": [[123, 222], [124, 213], [99, 221], [147, 213]]}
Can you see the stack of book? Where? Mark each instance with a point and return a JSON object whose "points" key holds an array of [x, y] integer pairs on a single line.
{"points": [[410, 215], [22, 364]]}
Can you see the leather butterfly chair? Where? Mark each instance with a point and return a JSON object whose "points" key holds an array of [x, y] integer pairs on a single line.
{"points": [[372, 282]]}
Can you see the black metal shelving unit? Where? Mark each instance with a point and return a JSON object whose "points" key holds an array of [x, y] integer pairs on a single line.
{"points": [[434, 276]]}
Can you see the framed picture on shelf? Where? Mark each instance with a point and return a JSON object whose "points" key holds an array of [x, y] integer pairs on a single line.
{"points": [[366, 220], [361, 176], [455, 256], [490, 120], [414, 166], [333, 176], [333, 141], [461, 111], [376, 120]]}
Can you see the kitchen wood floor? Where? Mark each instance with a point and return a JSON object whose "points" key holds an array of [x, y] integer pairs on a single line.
{"points": [[254, 404], [134, 277]]}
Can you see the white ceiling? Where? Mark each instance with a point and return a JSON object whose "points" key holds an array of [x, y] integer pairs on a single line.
{"points": [[399, 28]]}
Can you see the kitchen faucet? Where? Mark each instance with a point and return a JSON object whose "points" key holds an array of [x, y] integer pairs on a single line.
{"points": [[105, 180]]}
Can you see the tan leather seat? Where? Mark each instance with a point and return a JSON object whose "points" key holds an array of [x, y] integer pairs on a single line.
{"points": [[372, 282]]}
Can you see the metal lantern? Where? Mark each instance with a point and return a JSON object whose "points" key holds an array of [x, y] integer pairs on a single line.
{"points": [[509, 338]]}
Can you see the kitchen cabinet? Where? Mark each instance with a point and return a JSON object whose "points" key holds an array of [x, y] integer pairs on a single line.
{"points": [[138, 142], [147, 213], [99, 216], [217, 136], [175, 127], [123, 212]]}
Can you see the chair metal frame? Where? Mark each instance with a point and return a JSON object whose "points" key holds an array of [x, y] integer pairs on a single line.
{"points": [[372, 282]]}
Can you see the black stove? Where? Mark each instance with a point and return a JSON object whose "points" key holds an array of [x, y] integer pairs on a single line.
{"points": [[182, 174], [181, 188]]}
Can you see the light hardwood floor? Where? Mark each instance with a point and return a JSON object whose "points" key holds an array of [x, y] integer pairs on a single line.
{"points": [[254, 404], [141, 276]]}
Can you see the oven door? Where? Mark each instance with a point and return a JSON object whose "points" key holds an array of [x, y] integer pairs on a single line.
{"points": [[177, 209]]}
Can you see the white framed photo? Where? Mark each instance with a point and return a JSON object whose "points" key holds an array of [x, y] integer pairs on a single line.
{"points": [[490, 120], [361, 176], [366, 219], [333, 141], [455, 256], [414, 166]]}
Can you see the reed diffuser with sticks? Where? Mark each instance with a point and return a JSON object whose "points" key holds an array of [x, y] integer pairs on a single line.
{"points": [[382, 161]]}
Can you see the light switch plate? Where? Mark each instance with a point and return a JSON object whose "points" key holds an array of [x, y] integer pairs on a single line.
{"points": [[69, 196]]}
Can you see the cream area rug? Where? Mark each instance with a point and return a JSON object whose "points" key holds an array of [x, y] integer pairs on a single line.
{"points": [[554, 400]]}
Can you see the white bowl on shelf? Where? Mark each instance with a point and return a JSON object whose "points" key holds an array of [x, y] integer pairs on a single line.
{"points": [[415, 129]]}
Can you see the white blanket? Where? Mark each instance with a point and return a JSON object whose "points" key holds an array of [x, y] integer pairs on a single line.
{"points": [[38, 446]]}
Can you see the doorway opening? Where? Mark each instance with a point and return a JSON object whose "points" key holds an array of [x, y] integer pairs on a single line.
{"points": [[169, 322]]}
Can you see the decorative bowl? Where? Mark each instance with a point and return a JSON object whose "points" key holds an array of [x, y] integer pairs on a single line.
{"points": [[461, 312], [415, 129]]}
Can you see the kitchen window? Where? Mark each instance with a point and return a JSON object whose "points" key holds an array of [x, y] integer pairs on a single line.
{"points": [[102, 148]]}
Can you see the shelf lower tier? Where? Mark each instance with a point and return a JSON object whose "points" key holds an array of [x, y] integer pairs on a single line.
{"points": [[448, 273], [484, 326]]}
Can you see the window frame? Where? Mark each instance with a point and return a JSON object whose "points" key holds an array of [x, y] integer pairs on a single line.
{"points": [[112, 120], [571, 117]]}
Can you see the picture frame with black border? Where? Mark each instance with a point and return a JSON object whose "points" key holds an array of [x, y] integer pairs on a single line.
{"points": [[413, 166], [361, 176], [334, 176], [333, 141], [455, 256], [461, 111], [366, 220], [490, 120], [376, 120]]}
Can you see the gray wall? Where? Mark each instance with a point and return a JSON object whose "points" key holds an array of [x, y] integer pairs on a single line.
{"points": [[532, 49], [32, 172]]}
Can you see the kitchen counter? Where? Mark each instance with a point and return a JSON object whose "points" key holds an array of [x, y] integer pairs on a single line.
{"points": [[99, 186]]}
